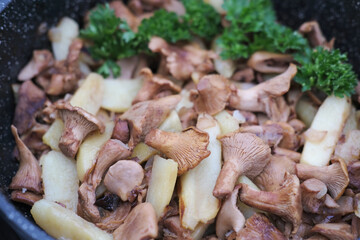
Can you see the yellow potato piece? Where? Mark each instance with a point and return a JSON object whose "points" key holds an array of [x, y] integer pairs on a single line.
{"points": [[60, 179], [227, 122], [62, 223], [162, 183], [89, 149], [53, 134], [118, 94], [171, 123], [143, 152], [90, 94]]}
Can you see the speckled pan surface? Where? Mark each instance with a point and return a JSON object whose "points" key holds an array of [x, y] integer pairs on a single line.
{"points": [[20, 34]]}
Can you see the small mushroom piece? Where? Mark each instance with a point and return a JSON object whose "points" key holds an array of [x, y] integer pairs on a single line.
{"points": [[31, 100], [313, 194], [41, 60], [142, 120], [77, 125], [123, 177], [28, 175], [354, 175], [271, 134], [244, 75], [294, 156], [244, 153], [121, 131], [188, 117], [344, 205], [335, 176], [334, 231], [112, 220], [187, 148], [256, 99], [285, 202], [174, 230], [28, 198], [153, 85], [140, 224], [271, 178], [229, 216], [212, 94], [258, 226], [311, 30], [268, 62]]}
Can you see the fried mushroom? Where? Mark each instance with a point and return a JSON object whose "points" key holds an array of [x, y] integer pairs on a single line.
{"points": [[187, 148], [41, 60], [268, 62], [334, 231], [311, 30]]}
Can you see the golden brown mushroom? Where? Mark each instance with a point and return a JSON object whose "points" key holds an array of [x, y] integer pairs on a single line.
{"points": [[141, 117], [229, 216], [258, 226], [187, 148], [77, 125], [121, 131], [41, 60], [212, 94], [285, 202], [112, 220], [153, 85], [123, 177], [28, 198], [271, 133], [334, 231], [140, 224], [174, 230], [268, 62], [334, 176], [28, 176], [244, 153]]}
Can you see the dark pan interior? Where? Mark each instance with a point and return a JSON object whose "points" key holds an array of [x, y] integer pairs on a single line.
{"points": [[20, 34]]}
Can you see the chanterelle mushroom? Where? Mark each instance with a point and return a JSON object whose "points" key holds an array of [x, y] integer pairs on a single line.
{"points": [[77, 125], [268, 62], [41, 60], [334, 230], [311, 30], [140, 224], [262, 97], [244, 153], [285, 202], [29, 174], [187, 148], [335, 176], [112, 151], [212, 94], [123, 177], [313, 193], [229, 217], [153, 85], [259, 227], [145, 116]]}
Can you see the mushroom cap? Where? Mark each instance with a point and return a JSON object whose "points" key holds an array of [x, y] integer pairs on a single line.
{"points": [[243, 153], [188, 148], [212, 94], [294, 156], [272, 177], [229, 216], [123, 177], [271, 133], [147, 115], [285, 202], [268, 62], [153, 85], [313, 194], [141, 223], [258, 226], [78, 123], [334, 230], [28, 175], [354, 174], [334, 176], [314, 34]]}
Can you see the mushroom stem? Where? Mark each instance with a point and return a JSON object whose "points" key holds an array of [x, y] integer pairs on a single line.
{"points": [[229, 174]]}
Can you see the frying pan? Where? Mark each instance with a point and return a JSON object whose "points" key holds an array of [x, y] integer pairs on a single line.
{"points": [[23, 25]]}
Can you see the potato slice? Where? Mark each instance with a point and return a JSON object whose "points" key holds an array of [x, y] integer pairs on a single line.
{"points": [[171, 123], [162, 183], [349, 150], [90, 94], [224, 67], [306, 111], [331, 118], [199, 231], [143, 152], [227, 122], [62, 223], [53, 134], [89, 149], [246, 210], [61, 37], [60, 179], [351, 122], [120, 93], [197, 203]]}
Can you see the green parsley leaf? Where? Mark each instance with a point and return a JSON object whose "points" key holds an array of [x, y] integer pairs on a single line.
{"points": [[163, 24], [109, 67], [327, 71], [202, 19]]}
